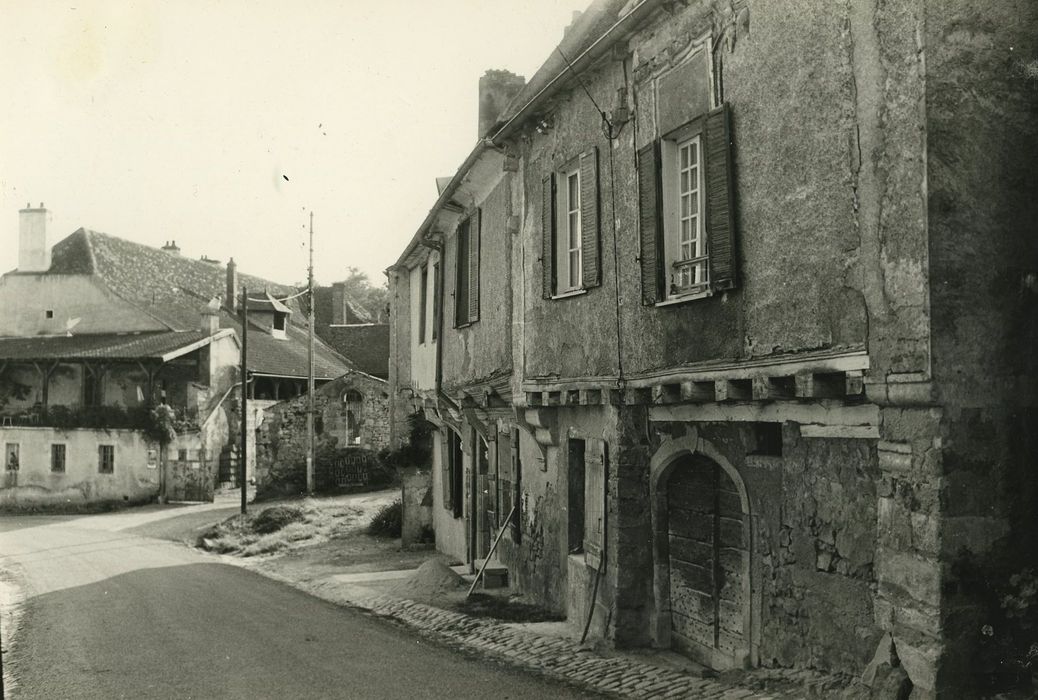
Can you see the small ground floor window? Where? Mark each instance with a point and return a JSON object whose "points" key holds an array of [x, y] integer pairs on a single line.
{"points": [[106, 459], [57, 459]]}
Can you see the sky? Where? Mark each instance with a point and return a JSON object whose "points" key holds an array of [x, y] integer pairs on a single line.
{"points": [[222, 124]]}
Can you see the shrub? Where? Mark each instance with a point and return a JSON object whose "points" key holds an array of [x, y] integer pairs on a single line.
{"points": [[387, 521], [276, 517]]}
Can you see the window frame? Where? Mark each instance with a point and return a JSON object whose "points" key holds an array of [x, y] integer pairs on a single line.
{"points": [[468, 269], [354, 408], [54, 452], [671, 145], [102, 467], [17, 465], [423, 302], [565, 214]]}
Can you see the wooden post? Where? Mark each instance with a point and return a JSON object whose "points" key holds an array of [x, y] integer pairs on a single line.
{"points": [[244, 398]]}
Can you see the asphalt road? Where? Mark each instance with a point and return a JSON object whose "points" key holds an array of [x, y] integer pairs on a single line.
{"points": [[110, 614]]}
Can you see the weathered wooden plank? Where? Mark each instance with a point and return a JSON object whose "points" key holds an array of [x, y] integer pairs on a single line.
{"points": [[683, 574], [698, 552]]}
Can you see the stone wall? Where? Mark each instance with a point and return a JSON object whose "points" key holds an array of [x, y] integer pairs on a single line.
{"points": [[281, 439]]}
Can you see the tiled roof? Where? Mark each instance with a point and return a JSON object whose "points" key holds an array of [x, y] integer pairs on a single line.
{"points": [[290, 357], [170, 287], [174, 289], [367, 347], [108, 346]]}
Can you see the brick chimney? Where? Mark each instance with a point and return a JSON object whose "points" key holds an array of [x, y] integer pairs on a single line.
{"points": [[231, 293], [338, 304], [172, 248], [33, 251], [496, 90]]}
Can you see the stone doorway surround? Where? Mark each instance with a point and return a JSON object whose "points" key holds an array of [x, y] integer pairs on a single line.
{"points": [[661, 466]]}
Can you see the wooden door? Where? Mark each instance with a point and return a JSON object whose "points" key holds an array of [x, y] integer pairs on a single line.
{"points": [[709, 563]]}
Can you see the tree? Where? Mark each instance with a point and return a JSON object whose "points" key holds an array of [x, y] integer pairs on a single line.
{"points": [[374, 300]]}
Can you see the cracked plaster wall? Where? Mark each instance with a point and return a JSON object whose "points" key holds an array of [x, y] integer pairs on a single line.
{"points": [[483, 349]]}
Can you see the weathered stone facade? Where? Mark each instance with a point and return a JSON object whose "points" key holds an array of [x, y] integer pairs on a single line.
{"points": [[797, 458], [351, 411]]}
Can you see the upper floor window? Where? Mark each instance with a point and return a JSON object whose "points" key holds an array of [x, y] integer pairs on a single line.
{"points": [[436, 300], [570, 246], [685, 269], [423, 303], [466, 273], [568, 243], [280, 325], [686, 222]]}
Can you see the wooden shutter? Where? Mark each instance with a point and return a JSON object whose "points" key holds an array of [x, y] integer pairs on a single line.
{"points": [[649, 225], [591, 274], [595, 467], [720, 219], [446, 453], [548, 235], [459, 248], [473, 310]]}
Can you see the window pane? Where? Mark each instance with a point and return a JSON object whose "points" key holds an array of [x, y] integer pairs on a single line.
{"points": [[684, 157], [574, 192], [574, 233], [684, 181], [693, 153]]}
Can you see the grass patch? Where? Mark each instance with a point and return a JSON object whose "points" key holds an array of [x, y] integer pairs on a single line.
{"points": [[281, 527], [387, 521]]}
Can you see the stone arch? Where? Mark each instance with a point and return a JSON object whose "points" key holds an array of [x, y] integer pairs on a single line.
{"points": [[681, 453]]}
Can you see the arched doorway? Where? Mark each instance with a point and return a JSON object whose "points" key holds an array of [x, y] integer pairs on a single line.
{"points": [[701, 524]]}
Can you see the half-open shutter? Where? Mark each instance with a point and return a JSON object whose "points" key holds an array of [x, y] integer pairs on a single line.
{"points": [[446, 480], [595, 468], [548, 235], [649, 228], [589, 222], [474, 236], [720, 219]]}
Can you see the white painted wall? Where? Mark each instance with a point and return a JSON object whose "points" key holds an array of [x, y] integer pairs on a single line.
{"points": [[25, 300], [133, 479], [450, 531], [423, 355]]}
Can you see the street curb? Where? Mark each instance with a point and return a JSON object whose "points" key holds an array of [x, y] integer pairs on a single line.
{"points": [[563, 660]]}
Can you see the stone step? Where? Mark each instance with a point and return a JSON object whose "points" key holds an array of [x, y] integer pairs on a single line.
{"points": [[495, 575]]}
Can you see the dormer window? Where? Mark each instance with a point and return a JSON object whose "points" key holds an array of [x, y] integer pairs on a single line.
{"points": [[280, 323]]}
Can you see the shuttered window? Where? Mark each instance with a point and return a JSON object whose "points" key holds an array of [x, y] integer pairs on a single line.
{"points": [[466, 289], [423, 304], [686, 223], [570, 251], [453, 475]]}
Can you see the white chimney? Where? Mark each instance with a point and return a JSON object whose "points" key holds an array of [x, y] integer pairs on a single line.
{"points": [[33, 251]]}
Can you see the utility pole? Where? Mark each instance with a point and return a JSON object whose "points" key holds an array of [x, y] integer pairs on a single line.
{"points": [[311, 452], [244, 454]]}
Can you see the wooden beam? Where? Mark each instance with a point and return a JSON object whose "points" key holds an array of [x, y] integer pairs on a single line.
{"points": [[733, 389], [698, 391]]}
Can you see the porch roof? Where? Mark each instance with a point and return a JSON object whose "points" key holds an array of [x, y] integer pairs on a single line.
{"points": [[162, 346]]}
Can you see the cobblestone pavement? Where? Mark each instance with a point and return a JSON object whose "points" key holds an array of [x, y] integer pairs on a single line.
{"points": [[565, 660]]}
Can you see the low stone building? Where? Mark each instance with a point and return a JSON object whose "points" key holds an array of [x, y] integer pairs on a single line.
{"points": [[351, 418]]}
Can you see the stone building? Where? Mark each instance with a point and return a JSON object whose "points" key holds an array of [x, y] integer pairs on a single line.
{"points": [[736, 303], [351, 412]]}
